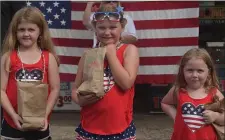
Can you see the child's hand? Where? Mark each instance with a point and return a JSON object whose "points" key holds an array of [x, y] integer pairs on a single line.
{"points": [[210, 116], [87, 99], [18, 121], [45, 125], [110, 49]]}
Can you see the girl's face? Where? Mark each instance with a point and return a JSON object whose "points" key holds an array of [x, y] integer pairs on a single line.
{"points": [[195, 73], [108, 32], [27, 34]]}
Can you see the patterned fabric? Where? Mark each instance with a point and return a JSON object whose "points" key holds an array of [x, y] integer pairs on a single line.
{"points": [[192, 116], [35, 74], [128, 134], [108, 79]]}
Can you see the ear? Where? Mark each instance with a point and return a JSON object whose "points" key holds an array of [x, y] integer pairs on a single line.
{"points": [[123, 22], [93, 24]]}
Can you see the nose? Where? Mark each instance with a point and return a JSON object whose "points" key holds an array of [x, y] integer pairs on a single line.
{"points": [[26, 33], [195, 74], [107, 32]]}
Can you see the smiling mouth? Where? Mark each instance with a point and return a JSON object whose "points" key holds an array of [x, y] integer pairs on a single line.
{"points": [[107, 38]]}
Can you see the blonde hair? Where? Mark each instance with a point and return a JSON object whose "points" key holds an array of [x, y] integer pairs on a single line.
{"points": [[31, 15], [117, 3], [212, 80]]}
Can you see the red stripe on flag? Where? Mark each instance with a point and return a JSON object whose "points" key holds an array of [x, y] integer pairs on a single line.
{"points": [[167, 42], [170, 60], [141, 79], [71, 60], [78, 25], [68, 42], [166, 24], [161, 42], [141, 6], [156, 79], [153, 24]]}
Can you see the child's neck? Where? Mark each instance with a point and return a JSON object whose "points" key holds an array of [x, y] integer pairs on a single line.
{"points": [[33, 48], [198, 93]]}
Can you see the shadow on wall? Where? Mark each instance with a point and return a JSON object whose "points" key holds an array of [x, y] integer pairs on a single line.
{"points": [[148, 98]]}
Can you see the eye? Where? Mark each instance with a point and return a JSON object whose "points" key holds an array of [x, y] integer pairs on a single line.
{"points": [[113, 27], [190, 70], [200, 71], [31, 29], [21, 29], [101, 27]]}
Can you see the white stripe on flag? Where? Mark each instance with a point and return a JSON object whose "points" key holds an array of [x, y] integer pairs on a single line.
{"points": [[143, 52], [194, 121], [152, 15], [141, 34], [193, 126], [143, 70], [192, 116]]}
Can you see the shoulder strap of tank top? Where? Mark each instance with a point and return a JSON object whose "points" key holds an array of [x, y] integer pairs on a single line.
{"points": [[13, 58], [212, 93]]}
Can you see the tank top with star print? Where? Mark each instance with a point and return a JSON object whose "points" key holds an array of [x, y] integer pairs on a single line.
{"points": [[33, 72], [113, 113], [189, 123]]}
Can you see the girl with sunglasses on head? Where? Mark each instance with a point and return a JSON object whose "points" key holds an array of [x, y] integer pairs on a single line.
{"points": [[129, 33], [110, 117]]}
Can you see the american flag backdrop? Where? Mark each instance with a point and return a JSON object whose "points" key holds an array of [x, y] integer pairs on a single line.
{"points": [[166, 30]]}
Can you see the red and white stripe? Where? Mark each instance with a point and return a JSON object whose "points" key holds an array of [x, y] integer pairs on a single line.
{"points": [[194, 122], [166, 30]]}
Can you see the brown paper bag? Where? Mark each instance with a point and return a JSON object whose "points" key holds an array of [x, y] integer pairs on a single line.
{"points": [[93, 73], [217, 106], [32, 102]]}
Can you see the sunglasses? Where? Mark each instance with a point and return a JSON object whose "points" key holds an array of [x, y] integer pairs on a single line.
{"points": [[112, 16]]}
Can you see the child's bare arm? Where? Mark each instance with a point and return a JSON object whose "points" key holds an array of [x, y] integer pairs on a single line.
{"points": [[5, 62], [124, 75], [54, 82], [168, 103]]}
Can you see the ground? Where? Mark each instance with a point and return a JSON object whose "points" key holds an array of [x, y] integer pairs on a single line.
{"points": [[149, 127]]}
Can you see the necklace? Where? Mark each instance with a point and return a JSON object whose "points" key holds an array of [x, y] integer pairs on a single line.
{"points": [[23, 69], [117, 46]]}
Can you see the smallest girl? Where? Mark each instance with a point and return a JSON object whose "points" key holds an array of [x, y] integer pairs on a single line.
{"points": [[29, 55], [196, 85]]}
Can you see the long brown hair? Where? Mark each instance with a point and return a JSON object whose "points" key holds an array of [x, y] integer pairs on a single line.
{"points": [[212, 80], [31, 15]]}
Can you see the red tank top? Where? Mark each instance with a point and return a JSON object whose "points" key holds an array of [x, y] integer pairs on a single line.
{"points": [[33, 71], [113, 113], [189, 123]]}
